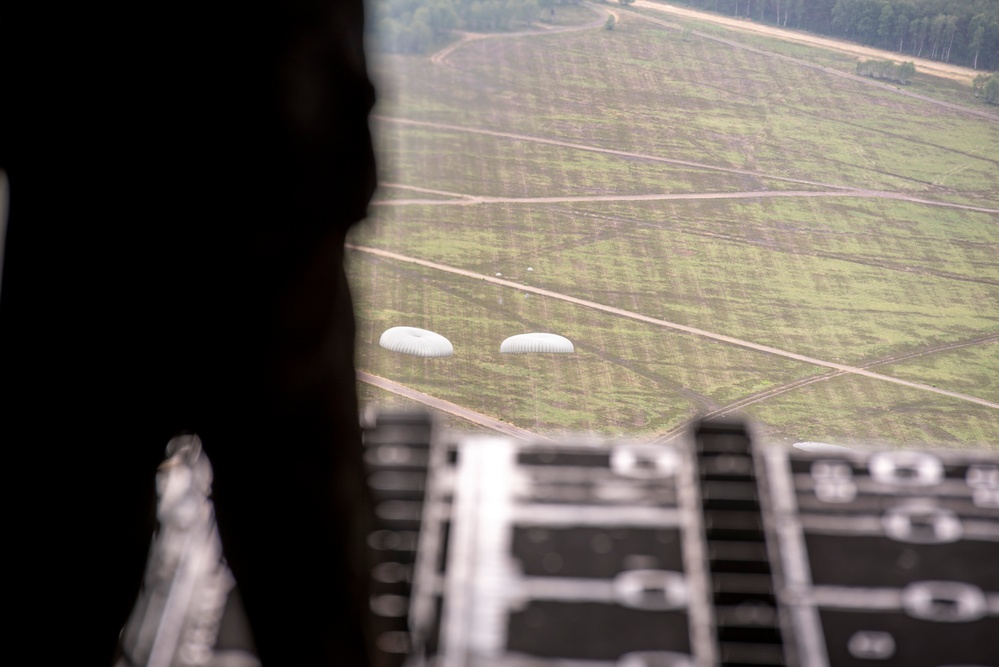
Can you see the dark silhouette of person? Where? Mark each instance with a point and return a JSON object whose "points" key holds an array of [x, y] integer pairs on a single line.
{"points": [[181, 179]]}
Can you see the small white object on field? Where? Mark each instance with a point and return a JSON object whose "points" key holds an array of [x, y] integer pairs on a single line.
{"points": [[821, 447], [537, 342]]}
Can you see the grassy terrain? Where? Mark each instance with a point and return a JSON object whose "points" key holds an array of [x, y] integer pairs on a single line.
{"points": [[823, 293], [379, 399], [625, 376], [853, 410], [844, 279], [642, 89], [943, 89], [973, 370], [508, 167]]}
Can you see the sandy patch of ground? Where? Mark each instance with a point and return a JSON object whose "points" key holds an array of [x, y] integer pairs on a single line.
{"points": [[955, 72]]}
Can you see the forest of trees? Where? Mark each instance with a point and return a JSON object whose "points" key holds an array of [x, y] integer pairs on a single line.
{"points": [[963, 32]]}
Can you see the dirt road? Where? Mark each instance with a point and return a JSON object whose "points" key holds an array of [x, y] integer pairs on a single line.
{"points": [[955, 72], [440, 57], [835, 369], [599, 149], [722, 338], [833, 190], [471, 200], [450, 408], [767, 394]]}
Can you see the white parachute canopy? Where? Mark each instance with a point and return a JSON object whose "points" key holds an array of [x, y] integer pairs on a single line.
{"points": [[418, 342], [537, 342], [821, 447]]}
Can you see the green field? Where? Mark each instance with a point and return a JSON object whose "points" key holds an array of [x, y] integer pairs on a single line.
{"points": [[691, 29], [701, 185]]}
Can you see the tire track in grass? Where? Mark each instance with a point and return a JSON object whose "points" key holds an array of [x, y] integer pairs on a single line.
{"points": [[598, 149], [692, 230], [663, 383], [804, 63], [440, 58], [838, 369], [600, 351], [722, 338], [448, 407], [554, 243], [832, 190], [430, 191], [475, 200], [797, 384], [904, 138]]}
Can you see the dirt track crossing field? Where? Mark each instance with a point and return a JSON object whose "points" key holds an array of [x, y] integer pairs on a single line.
{"points": [[963, 74], [790, 386], [465, 199], [679, 327], [401, 198], [448, 407]]}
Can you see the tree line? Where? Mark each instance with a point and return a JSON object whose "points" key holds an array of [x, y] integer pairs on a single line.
{"points": [[962, 32]]}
